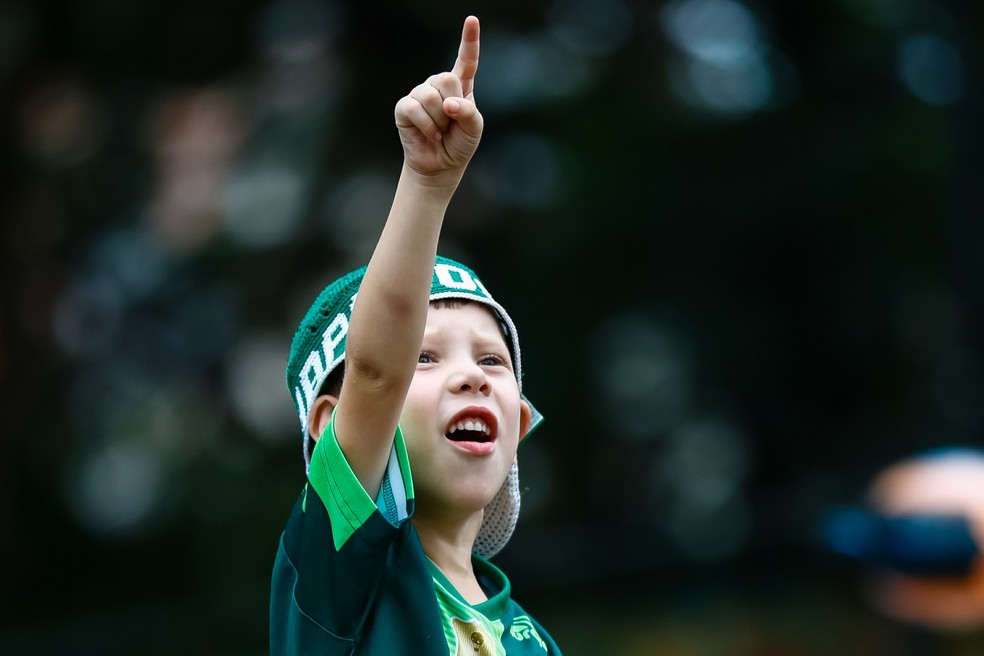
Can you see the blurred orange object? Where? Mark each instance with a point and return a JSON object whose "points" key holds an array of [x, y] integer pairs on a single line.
{"points": [[948, 482]]}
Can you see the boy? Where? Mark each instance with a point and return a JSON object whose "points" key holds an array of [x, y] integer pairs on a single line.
{"points": [[374, 560]]}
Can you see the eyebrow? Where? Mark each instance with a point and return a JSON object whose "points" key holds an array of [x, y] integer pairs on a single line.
{"points": [[484, 338]]}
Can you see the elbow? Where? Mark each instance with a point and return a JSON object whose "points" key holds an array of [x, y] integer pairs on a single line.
{"points": [[374, 373]]}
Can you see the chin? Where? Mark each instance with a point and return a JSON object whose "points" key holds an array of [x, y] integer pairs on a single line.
{"points": [[477, 497]]}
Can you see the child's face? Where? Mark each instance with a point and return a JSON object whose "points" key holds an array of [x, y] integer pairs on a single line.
{"points": [[463, 416]]}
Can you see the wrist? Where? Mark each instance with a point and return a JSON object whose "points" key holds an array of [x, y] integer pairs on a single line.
{"points": [[438, 185]]}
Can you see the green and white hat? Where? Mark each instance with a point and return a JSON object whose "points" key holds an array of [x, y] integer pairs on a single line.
{"points": [[319, 347]]}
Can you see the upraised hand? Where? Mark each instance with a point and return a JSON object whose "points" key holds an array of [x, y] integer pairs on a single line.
{"points": [[439, 124]]}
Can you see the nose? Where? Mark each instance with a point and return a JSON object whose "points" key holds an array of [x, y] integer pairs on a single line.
{"points": [[469, 377]]}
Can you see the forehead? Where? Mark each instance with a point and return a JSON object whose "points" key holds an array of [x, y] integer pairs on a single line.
{"points": [[476, 318]]}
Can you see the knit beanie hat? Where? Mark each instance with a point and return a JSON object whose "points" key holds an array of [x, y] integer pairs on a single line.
{"points": [[318, 349]]}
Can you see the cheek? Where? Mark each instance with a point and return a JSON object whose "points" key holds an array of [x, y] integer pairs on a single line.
{"points": [[515, 417], [416, 411], [511, 425], [411, 422]]}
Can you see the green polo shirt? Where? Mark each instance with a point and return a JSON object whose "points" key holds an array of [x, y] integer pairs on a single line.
{"points": [[351, 577]]}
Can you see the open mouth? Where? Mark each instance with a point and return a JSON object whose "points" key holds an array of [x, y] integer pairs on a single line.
{"points": [[472, 425], [470, 430]]}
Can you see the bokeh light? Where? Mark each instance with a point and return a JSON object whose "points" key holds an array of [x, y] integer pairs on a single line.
{"points": [[195, 139], [357, 210], [255, 392], [726, 65], [264, 203], [117, 489], [592, 28], [705, 466], [645, 372], [527, 70], [931, 70], [525, 170], [61, 121]]}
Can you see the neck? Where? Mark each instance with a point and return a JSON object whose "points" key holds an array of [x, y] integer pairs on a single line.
{"points": [[449, 546]]}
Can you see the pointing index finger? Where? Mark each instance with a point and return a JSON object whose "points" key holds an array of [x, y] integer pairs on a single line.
{"points": [[466, 65]]}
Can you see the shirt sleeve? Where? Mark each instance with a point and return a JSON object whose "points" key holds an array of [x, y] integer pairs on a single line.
{"points": [[348, 504], [335, 552]]}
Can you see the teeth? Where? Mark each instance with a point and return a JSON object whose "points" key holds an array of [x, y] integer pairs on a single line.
{"points": [[471, 425]]}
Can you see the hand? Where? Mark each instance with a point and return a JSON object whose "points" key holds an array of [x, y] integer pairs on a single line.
{"points": [[439, 123]]}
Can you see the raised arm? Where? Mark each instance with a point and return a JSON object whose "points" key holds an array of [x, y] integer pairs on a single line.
{"points": [[440, 127]]}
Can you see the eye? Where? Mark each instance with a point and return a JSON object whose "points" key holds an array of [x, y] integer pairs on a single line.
{"points": [[492, 360], [425, 358]]}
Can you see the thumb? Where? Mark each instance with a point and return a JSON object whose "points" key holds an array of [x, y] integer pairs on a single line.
{"points": [[465, 113]]}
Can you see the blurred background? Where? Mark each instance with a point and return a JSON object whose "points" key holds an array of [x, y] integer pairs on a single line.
{"points": [[742, 241]]}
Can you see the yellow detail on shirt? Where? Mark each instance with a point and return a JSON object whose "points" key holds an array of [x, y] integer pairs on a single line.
{"points": [[472, 638], [468, 632]]}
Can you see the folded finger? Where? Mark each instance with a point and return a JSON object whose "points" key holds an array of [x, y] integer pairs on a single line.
{"points": [[447, 84], [410, 113], [431, 101]]}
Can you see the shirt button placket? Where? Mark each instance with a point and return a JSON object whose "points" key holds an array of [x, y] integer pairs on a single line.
{"points": [[477, 640]]}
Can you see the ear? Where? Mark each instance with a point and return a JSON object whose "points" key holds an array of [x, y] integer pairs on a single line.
{"points": [[525, 417], [320, 415]]}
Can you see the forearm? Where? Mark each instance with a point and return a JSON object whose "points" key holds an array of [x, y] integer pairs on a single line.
{"points": [[387, 326], [391, 309]]}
